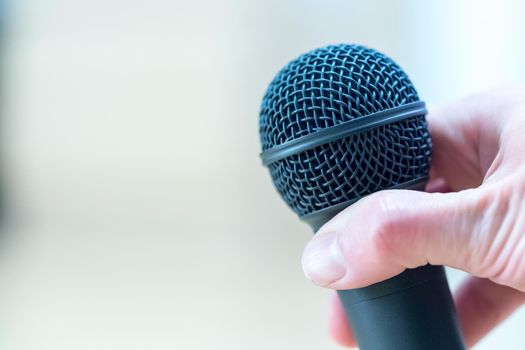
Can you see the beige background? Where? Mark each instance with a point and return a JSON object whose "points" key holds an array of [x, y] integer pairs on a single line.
{"points": [[139, 216]]}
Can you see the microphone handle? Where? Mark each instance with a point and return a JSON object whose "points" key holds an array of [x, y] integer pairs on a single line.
{"points": [[411, 311]]}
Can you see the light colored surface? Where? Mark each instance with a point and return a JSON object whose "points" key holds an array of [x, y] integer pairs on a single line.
{"points": [[141, 216]]}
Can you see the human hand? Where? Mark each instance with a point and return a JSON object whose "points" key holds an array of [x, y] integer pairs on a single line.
{"points": [[473, 219]]}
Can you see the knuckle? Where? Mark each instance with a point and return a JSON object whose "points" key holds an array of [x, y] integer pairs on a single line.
{"points": [[384, 222], [499, 239], [484, 250]]}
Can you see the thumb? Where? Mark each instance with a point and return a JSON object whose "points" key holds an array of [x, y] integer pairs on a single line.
{"points": [[389, 231]]}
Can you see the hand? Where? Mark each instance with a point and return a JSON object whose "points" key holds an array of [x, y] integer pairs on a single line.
{"points": [[474, 219]]}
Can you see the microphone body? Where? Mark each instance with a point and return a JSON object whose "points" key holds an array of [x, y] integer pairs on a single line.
{"points": [[411, 311], [339, 123]]}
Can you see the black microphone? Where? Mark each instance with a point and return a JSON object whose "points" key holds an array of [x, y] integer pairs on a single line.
{"points": [[339, 123]]}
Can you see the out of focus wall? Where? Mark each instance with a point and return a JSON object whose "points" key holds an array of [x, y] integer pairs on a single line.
{"points": [[138, 214]]}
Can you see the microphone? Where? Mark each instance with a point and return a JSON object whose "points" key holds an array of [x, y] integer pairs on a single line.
{"points": [[339, 123]]}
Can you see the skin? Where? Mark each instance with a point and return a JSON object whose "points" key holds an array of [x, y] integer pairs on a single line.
{"points": [[472, 218]]}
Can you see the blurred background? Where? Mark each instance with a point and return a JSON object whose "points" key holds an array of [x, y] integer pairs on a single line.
{"points": [[136, 212]]}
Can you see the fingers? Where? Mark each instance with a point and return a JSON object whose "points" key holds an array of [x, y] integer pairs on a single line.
{"points": [[437, 185], [387, 232], [476, 140], [481, 305], [467, 135], [338, 325], [454, 146]]}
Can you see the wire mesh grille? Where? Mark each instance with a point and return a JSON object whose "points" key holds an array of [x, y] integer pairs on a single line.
{"points": [[329, 86], [353, 167]]}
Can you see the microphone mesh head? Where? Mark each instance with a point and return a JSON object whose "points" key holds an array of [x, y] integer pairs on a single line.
{"points": [[327, 87]]}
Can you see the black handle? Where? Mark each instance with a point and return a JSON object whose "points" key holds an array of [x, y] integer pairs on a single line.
{"points": [[411, 311]]}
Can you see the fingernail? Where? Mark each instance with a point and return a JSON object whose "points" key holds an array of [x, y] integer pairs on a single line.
{"points": [[323, 262]]}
